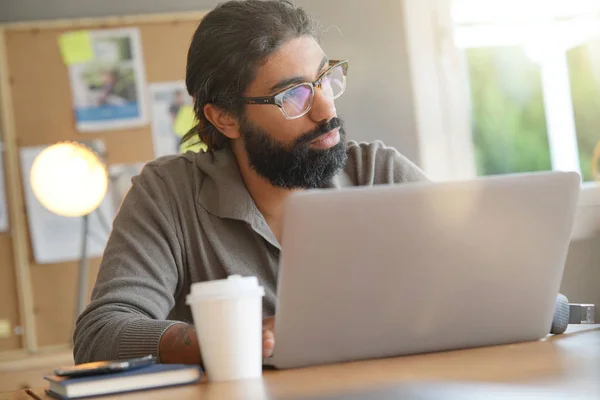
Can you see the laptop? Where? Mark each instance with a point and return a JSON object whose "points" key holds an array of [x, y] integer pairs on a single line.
{"points": [[391, 270]]}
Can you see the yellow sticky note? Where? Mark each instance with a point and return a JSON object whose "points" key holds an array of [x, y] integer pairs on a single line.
{"points": [[186, 119], [76, 47], [194, 146], [4, 329]]}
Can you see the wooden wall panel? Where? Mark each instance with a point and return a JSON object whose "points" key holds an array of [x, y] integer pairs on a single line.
{"points": [[9, 305]]}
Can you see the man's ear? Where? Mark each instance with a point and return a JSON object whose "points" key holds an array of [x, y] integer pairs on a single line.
{"points": [[222, 120]]}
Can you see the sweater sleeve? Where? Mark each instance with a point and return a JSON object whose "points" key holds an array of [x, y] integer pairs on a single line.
{"points": [[138, 278]]}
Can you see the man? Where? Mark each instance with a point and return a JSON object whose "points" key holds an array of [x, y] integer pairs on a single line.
{"points": [[264, 94]]}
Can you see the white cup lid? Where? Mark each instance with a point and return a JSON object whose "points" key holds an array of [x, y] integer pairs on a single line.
{"points": [[235, 286]]}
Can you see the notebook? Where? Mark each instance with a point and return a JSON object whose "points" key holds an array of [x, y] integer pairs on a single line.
{"points": [[150, 377]]}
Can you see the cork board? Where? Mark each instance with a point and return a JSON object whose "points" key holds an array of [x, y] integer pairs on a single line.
{"points": [[42, 114]]}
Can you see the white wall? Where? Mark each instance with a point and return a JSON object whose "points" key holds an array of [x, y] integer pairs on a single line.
{"points": [[370, 34], [581, 279]]}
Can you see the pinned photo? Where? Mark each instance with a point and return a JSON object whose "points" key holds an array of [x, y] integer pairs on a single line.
{"points": [[107, 78]]}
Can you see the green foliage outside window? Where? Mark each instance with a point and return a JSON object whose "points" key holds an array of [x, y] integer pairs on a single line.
{"points": [[508, 121]]}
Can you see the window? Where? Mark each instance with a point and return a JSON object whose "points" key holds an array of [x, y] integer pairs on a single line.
{"points": [[504, 86], [533, 73], [507, 110], [584, 77]]}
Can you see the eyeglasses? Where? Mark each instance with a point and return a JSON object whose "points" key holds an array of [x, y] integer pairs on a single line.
{"points": [[297, 100]]}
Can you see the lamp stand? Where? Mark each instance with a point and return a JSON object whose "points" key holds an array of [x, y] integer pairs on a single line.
{"points": [[83, 269]]}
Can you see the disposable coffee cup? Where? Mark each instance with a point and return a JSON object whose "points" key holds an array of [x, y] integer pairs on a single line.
{"points": [[228, 319]]}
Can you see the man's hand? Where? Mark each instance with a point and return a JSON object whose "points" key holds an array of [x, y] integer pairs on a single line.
{"points": [[268, 336]]}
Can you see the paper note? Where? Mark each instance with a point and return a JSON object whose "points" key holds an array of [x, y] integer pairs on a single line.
{"points": [[194, 146], [76, 47], [107, 90], [186, 119]]}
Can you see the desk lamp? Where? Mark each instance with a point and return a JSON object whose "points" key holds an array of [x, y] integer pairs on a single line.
{"points": [[71, 180]]}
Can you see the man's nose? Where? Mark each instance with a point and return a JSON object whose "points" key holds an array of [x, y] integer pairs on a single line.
{"points": [[323, 108]]}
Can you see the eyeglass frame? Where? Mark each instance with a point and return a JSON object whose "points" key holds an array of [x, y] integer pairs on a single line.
{"points": [[277, 99]]}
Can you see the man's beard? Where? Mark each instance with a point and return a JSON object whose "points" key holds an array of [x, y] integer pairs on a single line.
{"points": [[295, 166]]}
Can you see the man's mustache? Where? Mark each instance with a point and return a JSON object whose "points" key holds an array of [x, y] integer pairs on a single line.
{"points": [[333, 123]]}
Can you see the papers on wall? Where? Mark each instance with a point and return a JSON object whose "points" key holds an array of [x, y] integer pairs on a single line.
{"points": [[119, 176], [107, 77], [58, 239], [3, 205], [172, 118], [186, 119]]}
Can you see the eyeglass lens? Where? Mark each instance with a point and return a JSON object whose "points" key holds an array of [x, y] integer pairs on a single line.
{"points": [[299, 98]]}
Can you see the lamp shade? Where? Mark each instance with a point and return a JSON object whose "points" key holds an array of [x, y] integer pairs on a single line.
{"points": [[69, 179]]}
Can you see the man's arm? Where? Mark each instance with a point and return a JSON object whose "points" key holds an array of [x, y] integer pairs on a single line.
{"points": [[138, 277], [179, 345]]}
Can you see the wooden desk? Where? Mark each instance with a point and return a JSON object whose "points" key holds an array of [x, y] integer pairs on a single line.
{"points": [[569, 361]]}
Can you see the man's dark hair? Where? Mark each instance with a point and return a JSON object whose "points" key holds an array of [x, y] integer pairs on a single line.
{"points": [[231, 42]]}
